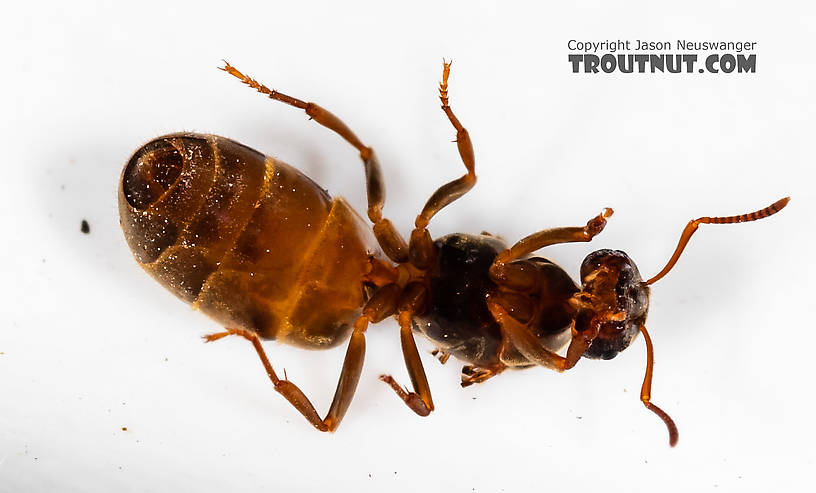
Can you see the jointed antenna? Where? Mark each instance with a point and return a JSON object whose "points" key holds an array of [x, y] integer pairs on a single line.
{"points": [[646, 391], [691, 227]]}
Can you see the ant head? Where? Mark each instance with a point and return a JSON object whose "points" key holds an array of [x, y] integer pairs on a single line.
{"points": [[612, 304], [613, 300]]}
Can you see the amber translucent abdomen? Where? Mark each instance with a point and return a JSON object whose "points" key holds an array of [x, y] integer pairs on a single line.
{"points": [[246, 239]]}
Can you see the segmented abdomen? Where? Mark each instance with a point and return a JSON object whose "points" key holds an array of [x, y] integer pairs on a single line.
{"points": [[245, 238]]}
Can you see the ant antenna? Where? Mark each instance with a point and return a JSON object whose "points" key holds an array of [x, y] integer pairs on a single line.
{"points": [[691, 227], [646, 391]]}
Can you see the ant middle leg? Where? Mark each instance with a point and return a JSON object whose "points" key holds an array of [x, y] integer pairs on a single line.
{"points": [[387, 235], [421, 249], [420, 400]]}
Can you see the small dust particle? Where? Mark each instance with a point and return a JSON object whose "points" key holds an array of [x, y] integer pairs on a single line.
{"points": [[85, 227], [124, 428]]}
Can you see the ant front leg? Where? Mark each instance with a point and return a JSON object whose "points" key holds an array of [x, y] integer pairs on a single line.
{"points": [[442, 356], [524, 340], [474, 374], [421, 248], [387, 235], [382, 304], [520, 275]]}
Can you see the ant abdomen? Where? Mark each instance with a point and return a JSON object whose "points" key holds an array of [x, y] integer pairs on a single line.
{"points": [[247, 239]]}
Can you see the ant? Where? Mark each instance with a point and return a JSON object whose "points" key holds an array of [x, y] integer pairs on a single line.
{"points": [[265, 251]]}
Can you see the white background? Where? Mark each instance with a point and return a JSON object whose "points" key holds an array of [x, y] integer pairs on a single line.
{"points": [[90, 344]]}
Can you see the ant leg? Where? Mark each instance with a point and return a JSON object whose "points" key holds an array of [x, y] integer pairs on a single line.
{"points": [[381, 305], [387, 235], [421, 249], [506, 273], [523, 339], [442, 356], [380, 272], [419, 400], [475, 374], [289, 390]]}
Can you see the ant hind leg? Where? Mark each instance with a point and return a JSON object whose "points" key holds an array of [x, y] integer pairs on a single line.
{"points": [[381, 305], [387, 235]]}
